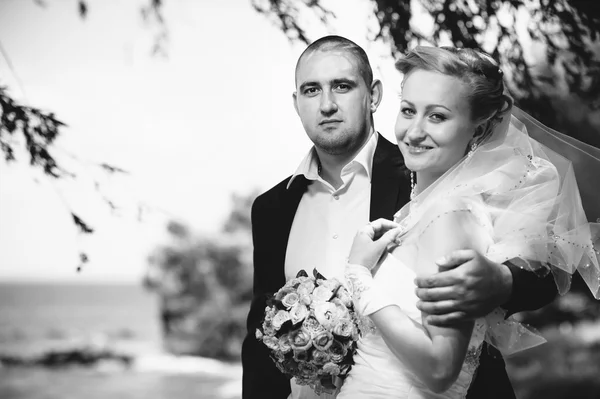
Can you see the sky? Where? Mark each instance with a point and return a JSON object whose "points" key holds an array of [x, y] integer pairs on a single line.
{"points": [[212, 118]]}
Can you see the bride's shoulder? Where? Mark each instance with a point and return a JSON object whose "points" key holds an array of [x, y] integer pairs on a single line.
{"points": [[454, 211]]}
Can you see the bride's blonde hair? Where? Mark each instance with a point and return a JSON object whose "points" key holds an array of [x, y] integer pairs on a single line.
{"points": [[487, 98]]}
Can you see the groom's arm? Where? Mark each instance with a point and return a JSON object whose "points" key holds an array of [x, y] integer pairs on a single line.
{"points": [[528, 291], [470, 286], [261, 378]]}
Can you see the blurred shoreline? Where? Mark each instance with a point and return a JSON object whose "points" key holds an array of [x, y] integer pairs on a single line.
{"points": [[58, 339]]}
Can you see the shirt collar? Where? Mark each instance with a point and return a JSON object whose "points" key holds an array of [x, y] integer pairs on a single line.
{"points": [[309, 167]]}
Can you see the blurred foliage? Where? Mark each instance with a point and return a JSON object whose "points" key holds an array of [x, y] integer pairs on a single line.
{"points": [[33, 132], [205, 285], [568, 32], [39, 129], [561, 87], [575, 306], [567, 366]]}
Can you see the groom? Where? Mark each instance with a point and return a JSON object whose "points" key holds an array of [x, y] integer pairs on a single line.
{"points": [[353, 175]]}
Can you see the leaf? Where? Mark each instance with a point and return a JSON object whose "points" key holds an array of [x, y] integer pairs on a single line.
{"points": [[83, 259], [83, 227], [112, 169], [83, 9], [318, 276], [302, 273]]}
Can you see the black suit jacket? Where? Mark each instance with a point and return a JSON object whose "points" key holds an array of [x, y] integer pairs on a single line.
{"points": [[272, 216]]}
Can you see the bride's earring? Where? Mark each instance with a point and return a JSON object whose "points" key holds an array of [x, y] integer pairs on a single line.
{"points": [[412, 186], [472, 150]]}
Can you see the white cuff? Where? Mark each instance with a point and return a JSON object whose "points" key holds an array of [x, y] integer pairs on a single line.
{"points": [[365, 294]]}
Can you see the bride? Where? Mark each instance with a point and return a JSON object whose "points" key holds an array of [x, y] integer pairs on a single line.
{"points": [[481, 183]]}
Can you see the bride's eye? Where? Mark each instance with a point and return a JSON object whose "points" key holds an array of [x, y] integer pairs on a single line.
{"points": [[438, 117], [406, 111]]}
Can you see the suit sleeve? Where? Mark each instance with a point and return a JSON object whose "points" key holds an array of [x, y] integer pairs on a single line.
{"points": [[261, 378], [529, 291]]}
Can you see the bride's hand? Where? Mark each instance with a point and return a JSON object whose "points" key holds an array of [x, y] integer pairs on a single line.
{"points": [[371, 242]]}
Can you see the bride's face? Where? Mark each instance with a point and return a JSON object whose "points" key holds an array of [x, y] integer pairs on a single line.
{"points": [[434, 124]]}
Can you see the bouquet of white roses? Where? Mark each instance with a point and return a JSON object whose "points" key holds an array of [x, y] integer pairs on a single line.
{"points": [[311, 328]]}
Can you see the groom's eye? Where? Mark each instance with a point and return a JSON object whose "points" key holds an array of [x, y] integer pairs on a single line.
{"points": [[310, 91], [343, 87]]}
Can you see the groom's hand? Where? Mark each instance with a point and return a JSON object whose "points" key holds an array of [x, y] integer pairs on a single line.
{"points": [[467, 286]]}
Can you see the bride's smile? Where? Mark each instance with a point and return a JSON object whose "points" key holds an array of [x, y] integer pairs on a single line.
{"points": [[434, 126]]}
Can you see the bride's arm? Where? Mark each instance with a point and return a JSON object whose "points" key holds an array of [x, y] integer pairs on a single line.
{"points": [[434, 354]]}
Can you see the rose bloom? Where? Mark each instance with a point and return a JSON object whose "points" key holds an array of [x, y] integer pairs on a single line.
{"points": [[296, 281], [268, 328], [300, 339], [322, 294], [344, 328], [290, 300], [279, 295], [323, 340], [305, 299], [301, 356], [320, 357], [308, 370], [258, 334], [291, 282], [338, 351], [331, 285], [290, 366], [344, 296], [328, 314], [305, 288], [271, 342], [270, 313], [331, 368], [298, 313], [284, 343], [311, 325], [344, 311], [281, 317]]}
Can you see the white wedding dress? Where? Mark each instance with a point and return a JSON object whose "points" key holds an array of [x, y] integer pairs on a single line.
{"points": [[521, 202], [377, 372]]}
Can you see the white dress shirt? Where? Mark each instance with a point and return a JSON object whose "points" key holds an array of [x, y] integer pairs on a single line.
{"points": [[327, 221]]}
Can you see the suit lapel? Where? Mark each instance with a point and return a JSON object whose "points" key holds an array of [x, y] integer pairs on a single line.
{"points": [[390, 186], [290, 198]]}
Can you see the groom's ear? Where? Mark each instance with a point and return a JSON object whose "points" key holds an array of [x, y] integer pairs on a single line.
{"points": [[376, 94], [295, 99]]}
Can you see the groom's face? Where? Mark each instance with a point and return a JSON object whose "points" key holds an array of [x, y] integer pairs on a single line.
{"points": [[333, 101]]}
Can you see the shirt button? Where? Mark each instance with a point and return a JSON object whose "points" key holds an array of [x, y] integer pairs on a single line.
{"points": [[335, 236], [337, 197]]}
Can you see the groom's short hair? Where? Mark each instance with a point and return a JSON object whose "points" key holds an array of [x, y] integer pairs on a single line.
{"points": [[339, 43]]}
